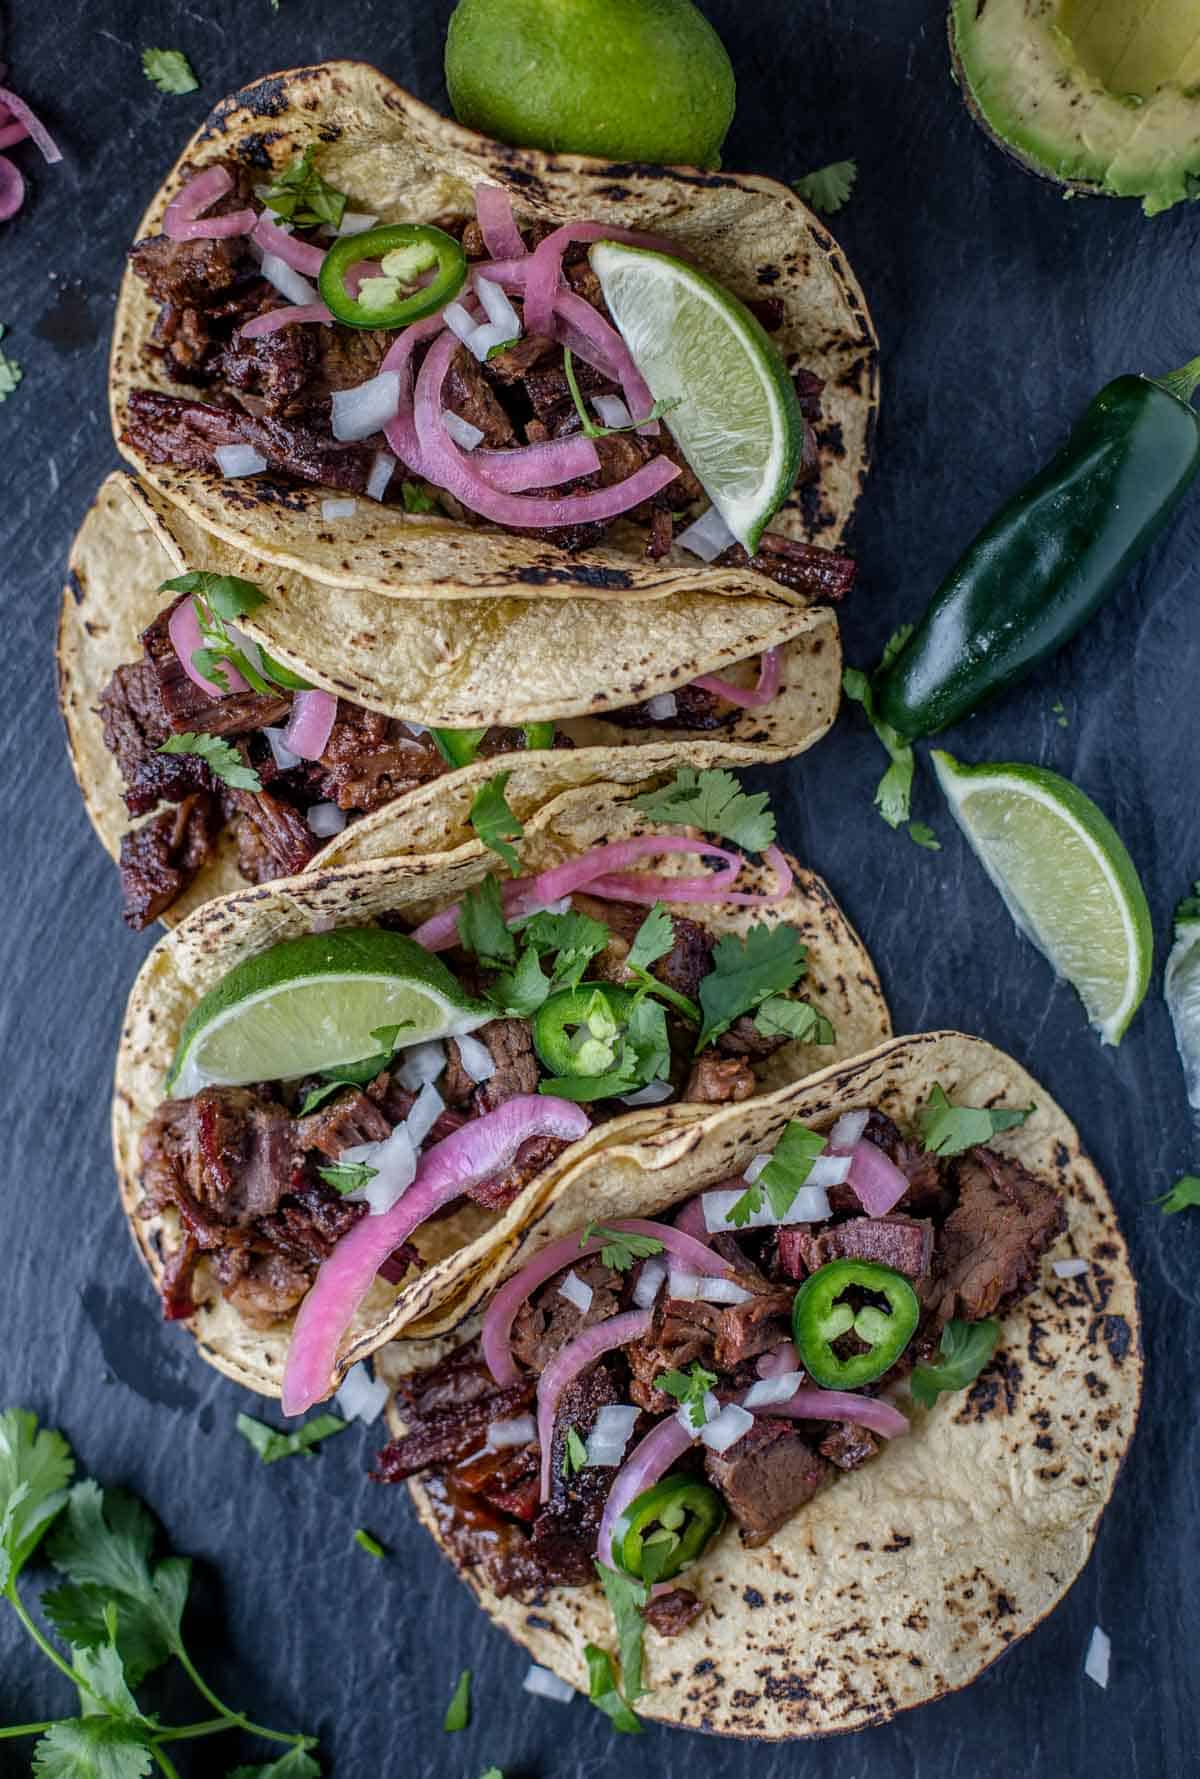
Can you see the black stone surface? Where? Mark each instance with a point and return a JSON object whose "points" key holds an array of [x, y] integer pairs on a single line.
{"points": [[1001, 309]]}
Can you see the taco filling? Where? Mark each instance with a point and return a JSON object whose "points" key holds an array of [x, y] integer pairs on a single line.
{"points": [[640, 1386], [462, 365]]}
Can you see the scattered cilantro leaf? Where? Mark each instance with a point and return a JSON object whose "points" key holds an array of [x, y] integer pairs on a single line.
{"points": [[790, 1165], [418, 497], [221, 757], [494, 822], [780, 1017], [169, 70], [602, 1691], [228, 595], [516, 994], [746, 972], [92, 1748], [1183, 1194], [715, 803], [621, 1246], [948, 1130], [921, 834], [297, 1763], [372, 1546], [458, 1711], [10, 371], [591, 427], [893, 795], [627, 1597], [574, 1454], [301, 196], [35, 1467], [348, 1176], [271, 1444], [965, 1350], [481, 925], [316, 1096], [689, 1389], [829, 188]]}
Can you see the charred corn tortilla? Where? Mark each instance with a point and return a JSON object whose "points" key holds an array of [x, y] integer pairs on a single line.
{"points": [[403, 162], [464, 1250], [446, 663], [904, 1579]]}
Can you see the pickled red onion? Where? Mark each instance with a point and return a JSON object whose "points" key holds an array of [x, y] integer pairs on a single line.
{"points": [[538, 466], [685, 889], [400, 433], [297, 254], [313, 716], [770, 673], [811, 1404], [183, 627], [290, 316], [184, 218], [11, 134], [566, 1366], [33, 125], [12, 188], [494, 211], [475, 1152], [545, 266], [876, 1179], [650, 1458]]}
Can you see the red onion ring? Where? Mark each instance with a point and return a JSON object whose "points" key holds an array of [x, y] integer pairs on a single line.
{"points": [[475, 1152], [650, 1458], [184, 220], [811, 1404], [494, 213], [34, 127], [567, 1364], [183, 627], [770, 673], [297, 254], [684, 889], [12, 188], [545, 266], [778, 1361], [876, 1179], [289, 316], [538, 466], [569, 1251], [401, 433], [313, 716], [11, 134]]}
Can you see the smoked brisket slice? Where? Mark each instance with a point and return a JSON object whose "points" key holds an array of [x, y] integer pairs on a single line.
{"points": [[766, 1476], [160, 859], [989, 1250]]}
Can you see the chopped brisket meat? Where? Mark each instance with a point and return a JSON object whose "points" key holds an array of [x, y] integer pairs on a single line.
{"points": [[662, 534], [187, 706], [170, 778], [989, 1248], [563, 1536], [456, 1087], [450, 1432], [160, 859], [621, 455], [188, 274], [744, 1039], [370, 759], [236, 1155], [344, 1121], [509, 1480], [455, 1380], [171, 429], [468, 394], [271, 1287], [550, 393], [847, 1445], [514, 364], [683, 968], [396, 1101], [482, 1538], [720, 1336], [347, 356], [274, 840], [716, 1080], [766, 1476], [175, 1286], [805, 568], [510, 1043], [903, 1243], [673, 1612], [548, 1321], [133, 718], [695, 707], [277, 368], [532, 1158]]}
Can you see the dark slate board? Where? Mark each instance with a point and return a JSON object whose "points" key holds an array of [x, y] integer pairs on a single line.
{"points": [[1001, 309]]}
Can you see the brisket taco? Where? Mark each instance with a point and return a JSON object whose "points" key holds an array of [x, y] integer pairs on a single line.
{"points": [[358, 340], [339, 1098], [830, 1428], [326, 725]]}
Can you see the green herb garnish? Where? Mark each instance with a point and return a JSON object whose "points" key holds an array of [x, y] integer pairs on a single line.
{"points": [[621, 1247], [780, 1017], [170, 70], [1183, 1195], [418, 497], [627, 1598], [573, 940], [301, 196], [965, 1350], [893, 795], [829, 188], [715, 803], [10, 371], [458, 1711], [689, 1388], [921, 834], [574, 1454], [603, 1692], [746, 972], [592, 428], [372, 1546], [348, 1176], [271, 1444], [482, 929], [494, 822], [783, 1176], [948, 1130], [221, 757]]}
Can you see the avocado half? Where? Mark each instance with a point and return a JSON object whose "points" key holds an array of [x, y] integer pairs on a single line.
{"points": [[1101, 95]]}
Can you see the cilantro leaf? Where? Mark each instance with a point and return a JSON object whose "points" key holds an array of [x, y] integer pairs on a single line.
{"points": [[921, 834], [92, 1748], [228, 595], [715, 803], [458, 747], [316, 1096], [481, 925], [221, 757], [418, 497], [103, 1673], [653, 939], [494, 822], [301, 196], [602, 1691], [458, 1711], [297, 1763], [10, 371], [574, 1454], [746, 972], [893, 795], [103, 1545], [1188, 910], [790, 1165], [575, 939], [271, 1444], [621, 1246], [516, 994], [689, 1388], [948, 1130], [36, 1464], [780, 1017], [348, 1176], [372, 1546], [626, 1598], [1183, 1194], [965, 1350], [589, 426], [169, 70], [829, 188]]}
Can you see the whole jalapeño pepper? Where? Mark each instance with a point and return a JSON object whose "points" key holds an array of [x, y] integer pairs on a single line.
{"points": [[1051, 557], [394, 296], [824, 1312], [676, 1520]]}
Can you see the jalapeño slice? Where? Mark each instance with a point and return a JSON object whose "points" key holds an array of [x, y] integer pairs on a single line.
{"points": [[823, 1313], [578, 1031], [666, 1527], [392, 298]]}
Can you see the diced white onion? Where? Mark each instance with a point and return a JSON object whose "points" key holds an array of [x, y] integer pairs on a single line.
{"points": [[848, 1129], [338, 509], [829, 1170], [383, 467], [326, 819], [697, 1287], [362, 1397], [684, 1412], [459, 322], [485, 339], [395, 1164], [810, 1205], [649, 1284], [366, 408], [547, 1685], [652, 1094], [727, 1428], [239, 460], [1071, 1269], [610, 1434], [500, 311], [751, 1173], [662, 706], [422, 1063], [288, 281], [285, 759], [356, 222], [769, 1390], [1098, 1657], [576, 1292], [477, 1060], [502, 1435], [461, 431], [425, 1113], [612, 410], [707, 536]]}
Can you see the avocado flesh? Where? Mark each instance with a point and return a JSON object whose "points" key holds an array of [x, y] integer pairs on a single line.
{"points": [[1103, 95]]}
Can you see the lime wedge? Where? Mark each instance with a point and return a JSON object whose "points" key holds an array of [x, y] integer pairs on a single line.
{"points": [[312, 1004], [1065, 877], [733, 409], [1182, 989]]}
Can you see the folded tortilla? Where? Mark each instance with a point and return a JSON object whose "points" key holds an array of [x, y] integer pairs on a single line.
{"points": [[399, 160], [904, 1579]]}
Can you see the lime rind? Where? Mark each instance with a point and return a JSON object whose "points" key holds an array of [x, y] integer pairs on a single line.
{"points": [[741, 432], [1115, 889], [1181, 986]]}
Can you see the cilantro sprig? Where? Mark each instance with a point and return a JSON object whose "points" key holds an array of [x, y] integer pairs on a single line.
{"points": [[715, 803], [965, 1349], [949, 1130], [622, 1247], [221, 757], [458, 1711], [271, 1444], [591, 428], [169, 70], [219, 600], [574, 1454], [893, 795], [783, 1176], [746, 973], [119, 1612], [689, 1388], [301, 196], [828, 189], [494, 822], [1184, 1194], [348, 1176]]}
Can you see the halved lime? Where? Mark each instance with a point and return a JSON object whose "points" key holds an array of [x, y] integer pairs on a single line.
{"points": [[314, 1003], [1182, 989], [1065, 877], [735, 414]]}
